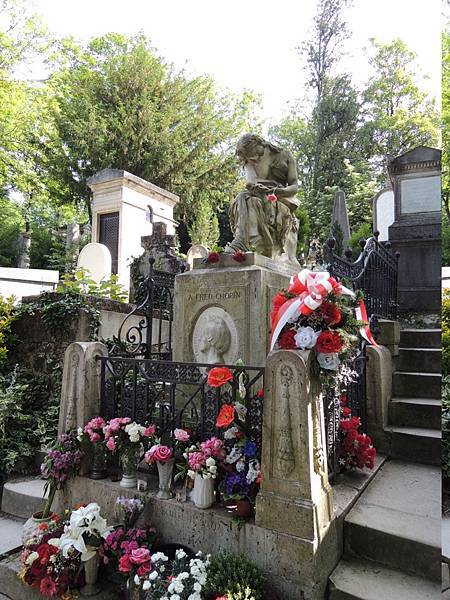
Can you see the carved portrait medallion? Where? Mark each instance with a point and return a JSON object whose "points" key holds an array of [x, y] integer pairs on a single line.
{"points": [[215, 338]]}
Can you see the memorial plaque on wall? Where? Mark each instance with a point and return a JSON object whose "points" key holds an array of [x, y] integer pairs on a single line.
{"points": [[421, 194]]}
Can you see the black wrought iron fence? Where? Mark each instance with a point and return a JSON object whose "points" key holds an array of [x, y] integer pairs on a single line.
{"points": [[173, 394], [146, 332]]}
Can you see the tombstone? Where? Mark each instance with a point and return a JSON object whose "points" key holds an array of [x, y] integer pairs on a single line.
{"points": [[124, 209], [96, 258], [340, 216], [383, 213], [24, 243], [416, 230], [196, 251]]}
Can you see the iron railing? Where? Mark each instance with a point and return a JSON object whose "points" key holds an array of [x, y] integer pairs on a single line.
{"points": [[173, 394], [375, 273], [151, 336]]}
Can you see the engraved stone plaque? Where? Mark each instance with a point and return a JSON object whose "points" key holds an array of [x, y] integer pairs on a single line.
{"points": [[420, 195], [215, 338]]}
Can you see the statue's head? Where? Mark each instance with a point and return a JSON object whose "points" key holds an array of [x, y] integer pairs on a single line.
{"points": [[216, 335], [250, 146]]}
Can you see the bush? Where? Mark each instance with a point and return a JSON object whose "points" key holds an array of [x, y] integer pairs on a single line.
{"points": [[6, 318], [446, 333], [362, 233], [234, 576]]}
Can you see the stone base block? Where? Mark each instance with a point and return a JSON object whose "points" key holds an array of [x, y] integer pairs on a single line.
{"points": [[287, 515]]}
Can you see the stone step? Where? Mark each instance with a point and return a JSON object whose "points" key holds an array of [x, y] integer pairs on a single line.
{"points": [[364, 580], [416, 444], [23, 497], [416, 385], [420, 338], [11, 532], [420, 360], [397, 521], [415, 412]]}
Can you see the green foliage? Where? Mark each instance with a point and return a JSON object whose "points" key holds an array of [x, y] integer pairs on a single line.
{"points": [[362, 233], [82, 283], [445, 316], [399, 115], [10, 227], [204, 227], [118, 103], [6, 319], [235, 576], [338, 234]]}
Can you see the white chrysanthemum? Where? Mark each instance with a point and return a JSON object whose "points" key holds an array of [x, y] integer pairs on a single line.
{"points": [[153, 575], [180, 554], [159, 556], [147, 585]]}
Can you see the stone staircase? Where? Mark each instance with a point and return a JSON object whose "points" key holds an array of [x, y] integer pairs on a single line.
{"points": [[415, 409], [392, 535]]}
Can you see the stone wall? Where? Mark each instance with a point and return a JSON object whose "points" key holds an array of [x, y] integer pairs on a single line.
{"points": [[23, 282]]}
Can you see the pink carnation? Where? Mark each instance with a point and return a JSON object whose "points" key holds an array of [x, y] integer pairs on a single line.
{"points": [[196, 460], [181, 435], [213, 447], [111, 444]]}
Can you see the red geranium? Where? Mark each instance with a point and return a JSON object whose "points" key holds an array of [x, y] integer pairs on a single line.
{"points": [[213, 257], [239, 256], [225, 416], [286, 341], [218, 376], [329, 342], [330, 313]]}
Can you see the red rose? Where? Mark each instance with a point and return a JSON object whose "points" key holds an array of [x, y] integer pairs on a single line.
{"points": [[213, 257], [225, 416], [144, 570], [286, 341], [272, 198], [218, 376], [239, 256], [125, 563], [330, 313], [329, 342], [260, 393], [277, 302]]}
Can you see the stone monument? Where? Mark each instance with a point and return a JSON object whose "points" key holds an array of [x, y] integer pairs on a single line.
{"points": [[383, 213], [95, 258], [222, 309], [340, 217], [416, 230], [262, 217], [125, 208], [196, 251]]}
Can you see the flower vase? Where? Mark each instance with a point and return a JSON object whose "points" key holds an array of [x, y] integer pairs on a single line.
{"points": [[31, 526], [165, 470], [244, 508], [99, 463], [203, 493], [130, 462], [91, 587]]}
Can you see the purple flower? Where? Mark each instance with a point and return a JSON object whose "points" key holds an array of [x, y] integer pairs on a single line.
{"points": [[249, 449]]}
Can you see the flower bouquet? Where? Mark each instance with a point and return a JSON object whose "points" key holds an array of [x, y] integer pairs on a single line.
{"points": [[93, 433], [127, 438], [317, 313], [130, 508], [357, 450], [182, 579], [122, 541], [61, 462], [45, 568]]}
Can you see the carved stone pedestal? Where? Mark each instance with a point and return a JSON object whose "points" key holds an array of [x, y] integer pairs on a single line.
{"points": [[295, 498], [222, 309]]}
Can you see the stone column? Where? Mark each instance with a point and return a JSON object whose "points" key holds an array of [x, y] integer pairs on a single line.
{"points": [[295, 496], [380, 366], [80, 393]]}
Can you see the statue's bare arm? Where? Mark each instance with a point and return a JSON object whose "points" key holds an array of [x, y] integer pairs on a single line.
{"points": [[292, 181]]}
